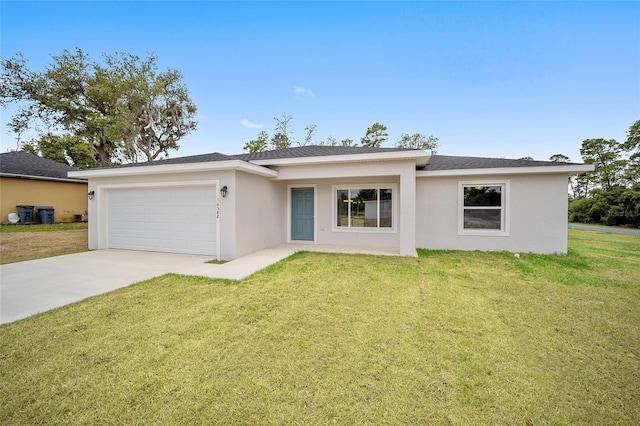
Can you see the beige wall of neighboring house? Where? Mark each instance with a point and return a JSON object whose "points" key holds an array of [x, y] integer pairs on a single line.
{"points": [[67, 198]]}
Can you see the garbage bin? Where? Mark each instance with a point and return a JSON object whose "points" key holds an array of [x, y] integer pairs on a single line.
{"points": [[25, 213], [45, 214]]}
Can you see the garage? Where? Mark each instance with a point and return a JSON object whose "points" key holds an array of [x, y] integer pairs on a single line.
{"points": [[174, 219]]}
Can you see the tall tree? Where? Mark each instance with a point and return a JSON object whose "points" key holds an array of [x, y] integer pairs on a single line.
{"points": [[561, 158], [606, 156], [121, 107], [259, 144], [633, 137], [417, 141], [348, 142], [156, 109], [310, 131], [375, 136], [282, 136]]}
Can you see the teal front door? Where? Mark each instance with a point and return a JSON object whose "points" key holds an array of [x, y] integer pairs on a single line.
{"points": [[302, 214]]}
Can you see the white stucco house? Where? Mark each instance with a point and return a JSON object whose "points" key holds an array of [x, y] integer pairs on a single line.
{"points": [[228, 206]]}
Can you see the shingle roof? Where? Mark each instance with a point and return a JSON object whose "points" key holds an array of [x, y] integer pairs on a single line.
{"points": [[201, 158], [310, 151], [27, 164], [449, 162]]}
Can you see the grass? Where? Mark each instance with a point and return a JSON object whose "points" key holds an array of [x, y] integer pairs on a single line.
{"points": [[445, 338], [27, 242]]}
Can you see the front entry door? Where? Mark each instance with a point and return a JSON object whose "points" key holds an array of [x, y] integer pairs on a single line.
{"points": [[302, 214]]}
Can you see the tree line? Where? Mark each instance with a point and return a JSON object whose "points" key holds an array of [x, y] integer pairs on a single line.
{"points": [[611, 194], [374, 136]]}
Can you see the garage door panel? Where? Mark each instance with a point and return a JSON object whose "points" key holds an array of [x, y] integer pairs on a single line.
{"points": [[177, 220]]}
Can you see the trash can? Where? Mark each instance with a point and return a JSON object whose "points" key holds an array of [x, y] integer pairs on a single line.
{"points": [[45, 214], [25, 213]]}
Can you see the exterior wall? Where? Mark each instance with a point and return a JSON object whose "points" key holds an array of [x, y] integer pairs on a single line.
{"points": [[67, 198], [98, 206], [260, 206], [537, 214]]}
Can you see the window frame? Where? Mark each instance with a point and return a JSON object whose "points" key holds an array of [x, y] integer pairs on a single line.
{"points": [[504, 209], [377, 186]]}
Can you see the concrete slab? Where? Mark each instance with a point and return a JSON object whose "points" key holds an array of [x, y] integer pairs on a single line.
{"points": [[27, 288]]}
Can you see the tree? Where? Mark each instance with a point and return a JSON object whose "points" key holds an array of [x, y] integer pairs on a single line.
{"points": [[64, 148], [120, 108], [310, 131], [258, 144], [348, 142], [606, 156], [528, 158], [559, 158], [633, 137], [280, 141], [282, 138], [417, 141], [376, 135], [156, 111]]}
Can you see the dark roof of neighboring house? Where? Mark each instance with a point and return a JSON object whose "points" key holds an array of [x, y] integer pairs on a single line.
{"points": [[25, 164], [311, 151], [449, 162], [201, 158]]}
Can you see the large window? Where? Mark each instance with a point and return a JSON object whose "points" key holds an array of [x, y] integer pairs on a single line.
{"points": [[483, 208], [364, 207]]}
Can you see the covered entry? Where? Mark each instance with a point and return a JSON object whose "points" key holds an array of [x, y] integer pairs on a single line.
{"points": [[172, 219]]}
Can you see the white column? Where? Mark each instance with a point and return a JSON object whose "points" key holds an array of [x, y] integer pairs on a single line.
{"points": [[407, 224]]}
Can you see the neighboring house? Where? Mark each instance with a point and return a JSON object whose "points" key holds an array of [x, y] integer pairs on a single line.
{"points": [[229, 206], [26, 179]]}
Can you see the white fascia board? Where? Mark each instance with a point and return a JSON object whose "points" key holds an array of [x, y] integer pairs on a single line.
{"points": [[31, 177], [421, 158], [176, 168], [569, 169]]}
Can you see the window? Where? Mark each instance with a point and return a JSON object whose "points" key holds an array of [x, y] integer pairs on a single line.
{"points": [[370, 207], [483, 209]]}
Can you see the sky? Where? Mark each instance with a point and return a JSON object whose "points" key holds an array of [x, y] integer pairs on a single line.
{"points": [[491, 79]]}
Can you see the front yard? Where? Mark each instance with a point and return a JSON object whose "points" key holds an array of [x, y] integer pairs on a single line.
{"points": [[27, 242], [447, 338]]}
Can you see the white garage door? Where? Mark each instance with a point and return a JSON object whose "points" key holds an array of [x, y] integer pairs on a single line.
{"points": [[174, 220]]}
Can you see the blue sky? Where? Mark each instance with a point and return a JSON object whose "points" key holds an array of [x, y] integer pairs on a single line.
{"points": [[498, 79]]}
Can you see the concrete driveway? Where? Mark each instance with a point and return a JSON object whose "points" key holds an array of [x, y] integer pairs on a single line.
{"points": [[27, 288]]}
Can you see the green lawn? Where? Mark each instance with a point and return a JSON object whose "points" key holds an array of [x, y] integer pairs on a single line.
{"points": [[446, 338]]}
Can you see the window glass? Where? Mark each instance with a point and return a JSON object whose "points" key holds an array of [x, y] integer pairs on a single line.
{"points": [[386, 208], [483, 207], [482, 196], [364, 208], [343, 207], [482, 219]]}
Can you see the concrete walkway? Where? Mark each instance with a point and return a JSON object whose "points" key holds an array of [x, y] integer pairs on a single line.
{"points": [[27, 288]]}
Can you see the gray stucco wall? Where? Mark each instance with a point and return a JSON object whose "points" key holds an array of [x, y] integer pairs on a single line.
{"points": [[537, 214], [259, 216]]}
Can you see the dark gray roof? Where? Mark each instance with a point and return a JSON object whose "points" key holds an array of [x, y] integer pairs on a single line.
{"points": [[201, 158], [449, 162], [311, 151], [27, 164]]}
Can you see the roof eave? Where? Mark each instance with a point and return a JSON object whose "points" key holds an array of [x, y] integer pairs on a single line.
{"points": [[568, 169], [177, 168], [46, 178]]}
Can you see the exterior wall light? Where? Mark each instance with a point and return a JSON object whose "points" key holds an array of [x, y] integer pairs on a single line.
{"points": [[91, 194], [223, 191]]}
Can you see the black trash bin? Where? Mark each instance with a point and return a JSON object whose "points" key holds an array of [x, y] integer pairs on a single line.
{"points": [[45, 214], [25, 213]]}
